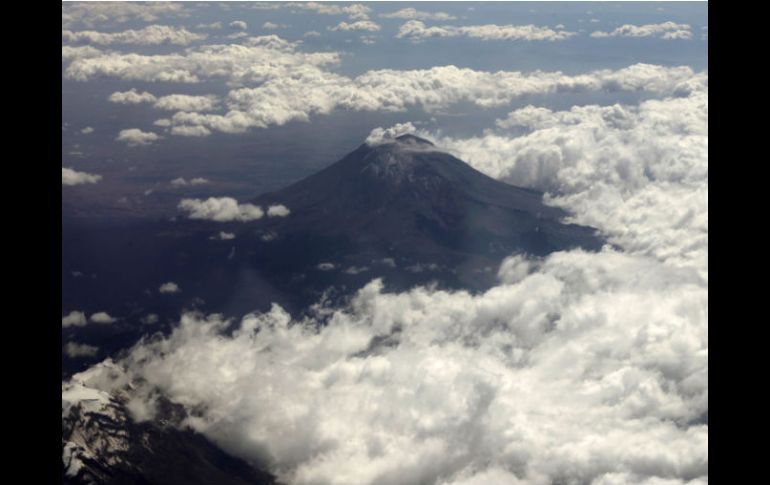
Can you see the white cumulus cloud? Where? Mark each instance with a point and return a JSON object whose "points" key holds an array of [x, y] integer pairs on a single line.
{"points": [[74, 319], [381, 135], [665, 30], [150, 35], [278, 210], [366, 25], [220, 209], [183, 182], [438, 387], [102, 317], [416, 30], [185, 102], [137, 137], [132, 96], [73, 177], [638, 173], [93, 13], [414, 14], [194, 131]]}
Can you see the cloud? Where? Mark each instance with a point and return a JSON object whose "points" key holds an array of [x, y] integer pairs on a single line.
{"points": [[326, 266], [91, 13], [638, 173], [262, 58], [196, 131], [278, 211], [136, 137], [416, 31], [74, 350], [102, 317], [429, 386], [223, 236], [220, 209], [87, 130], [414, 14], [212, 26], [381, 135], [169, 288], [73, 177], [239, 24], [150, 35], [184, 102], [311, 33], [70, 53], [272, 26], [171, 102], [274, 84], [317, 92], [355, 11], [665, 30], [74, 319], [131, 97], [182, 182], [366, 25]]}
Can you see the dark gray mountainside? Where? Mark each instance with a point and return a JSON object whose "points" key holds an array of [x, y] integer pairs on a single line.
{"points": [[411, 213], [410, 198]]}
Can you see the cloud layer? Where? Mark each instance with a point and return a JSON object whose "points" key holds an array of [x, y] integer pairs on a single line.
{"points": [[136, 137], [638, 173], [416, 31], [93, 13], [568, 369], [273, 83], [365, 25], [73, 177], [220, 209], [225, 209], [414, 14], [665, 30], [150, 35]]}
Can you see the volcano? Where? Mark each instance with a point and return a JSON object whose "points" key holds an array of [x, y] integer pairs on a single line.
{"points": [[411, 212]]}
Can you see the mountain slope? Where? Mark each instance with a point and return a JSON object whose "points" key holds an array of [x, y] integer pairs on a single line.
{"points": [[414, 206]]}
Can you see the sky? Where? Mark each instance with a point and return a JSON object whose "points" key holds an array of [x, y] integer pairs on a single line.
{"points": [[577, 367], [254, 126]]}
